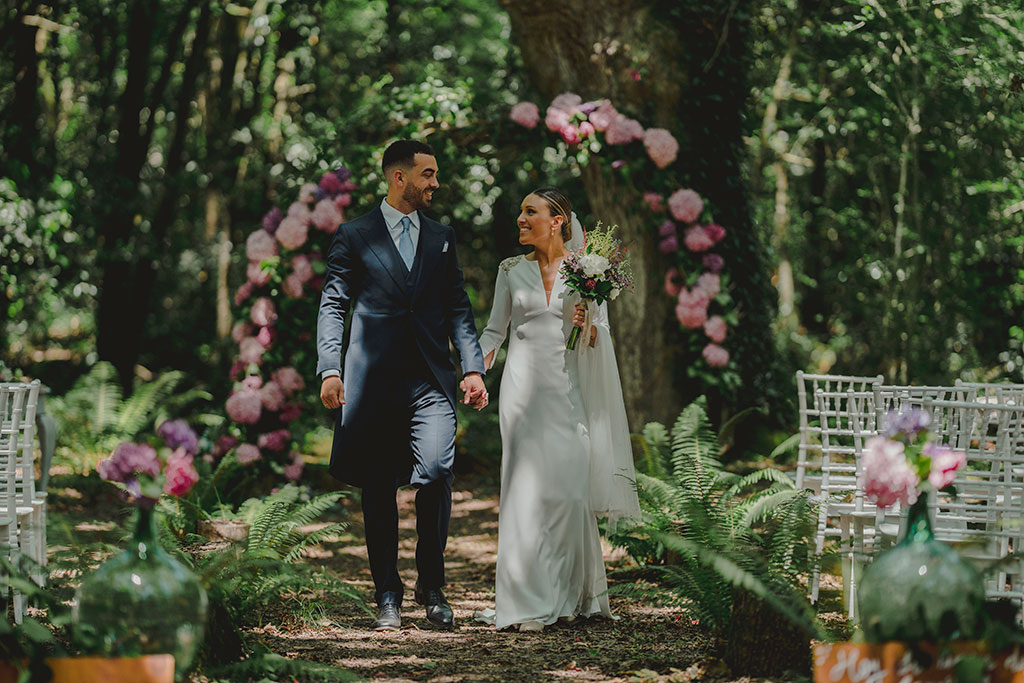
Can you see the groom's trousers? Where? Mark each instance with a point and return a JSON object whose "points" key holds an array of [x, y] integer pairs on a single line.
{"points": [[431, 438]]}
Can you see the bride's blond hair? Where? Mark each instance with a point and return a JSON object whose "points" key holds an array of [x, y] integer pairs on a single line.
{"points": [[558, 205]]}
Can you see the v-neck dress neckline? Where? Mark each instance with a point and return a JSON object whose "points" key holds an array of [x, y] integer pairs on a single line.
{"points": [[540, 273]]}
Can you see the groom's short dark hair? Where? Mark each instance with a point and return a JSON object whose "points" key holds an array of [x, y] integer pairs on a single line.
{"points": [[403, 153]]}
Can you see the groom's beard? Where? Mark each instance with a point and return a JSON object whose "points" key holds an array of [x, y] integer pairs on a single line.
{"points": [[415, 198]]}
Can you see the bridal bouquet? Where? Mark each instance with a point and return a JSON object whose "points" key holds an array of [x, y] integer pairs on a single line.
{"points": [[599, 271], [904, 460]]}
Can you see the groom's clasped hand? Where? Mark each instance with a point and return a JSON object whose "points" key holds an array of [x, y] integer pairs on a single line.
{"points": [[475, 393]]}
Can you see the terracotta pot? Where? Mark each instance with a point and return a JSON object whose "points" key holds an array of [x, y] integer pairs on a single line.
{"points": [[147, 669], [893, 662], [223, 529]]}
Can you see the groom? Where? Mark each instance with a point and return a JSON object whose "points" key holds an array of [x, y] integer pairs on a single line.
{"points": [[398, 271]]}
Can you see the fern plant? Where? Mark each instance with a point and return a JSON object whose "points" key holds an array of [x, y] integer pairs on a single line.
{"points": [[706, 533]]}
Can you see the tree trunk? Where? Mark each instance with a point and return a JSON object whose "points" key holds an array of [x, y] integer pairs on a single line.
{"points": [[649, 60], [20, 148], [762, 642]]}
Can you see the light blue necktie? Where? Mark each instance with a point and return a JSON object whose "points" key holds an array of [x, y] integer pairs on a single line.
{"points": [[405, 249]]}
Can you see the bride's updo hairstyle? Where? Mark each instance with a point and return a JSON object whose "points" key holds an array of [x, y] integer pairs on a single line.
{"points": [[558, 205]]}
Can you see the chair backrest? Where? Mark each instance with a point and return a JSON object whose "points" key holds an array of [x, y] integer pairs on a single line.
{"points": [[12, 406], [808, 471], [846, 420]]}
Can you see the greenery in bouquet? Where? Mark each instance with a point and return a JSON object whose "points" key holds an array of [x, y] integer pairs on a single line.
{"points": [[599, 271], [145, 471]]}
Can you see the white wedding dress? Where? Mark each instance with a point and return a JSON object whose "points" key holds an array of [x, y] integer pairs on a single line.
{"points": [[566, 457]]}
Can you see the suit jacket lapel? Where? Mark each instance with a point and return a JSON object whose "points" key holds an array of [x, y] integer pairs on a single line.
{"points": [[430, 246], [379, 241]]}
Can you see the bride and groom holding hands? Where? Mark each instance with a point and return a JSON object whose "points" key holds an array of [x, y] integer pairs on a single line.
{"points": [[566, 455]]}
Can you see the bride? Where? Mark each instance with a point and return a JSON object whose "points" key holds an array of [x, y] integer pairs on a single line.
{"points": [[566, 455]]}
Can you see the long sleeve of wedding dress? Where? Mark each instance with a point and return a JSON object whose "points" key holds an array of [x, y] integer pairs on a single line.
{"points": [[494, 334]]}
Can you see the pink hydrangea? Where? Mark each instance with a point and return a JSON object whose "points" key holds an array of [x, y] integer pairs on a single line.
{"points": [[655, 201], [306, 193], [250, 351], [244, 407], [685, 205], [256, 275], [715, 355], [292, 233], [714, 328], [691, 318], [710, 283], [556, 119], [292, 286], [603, 116], [568, 102], [289, 412], [265, 337], [247, 453], [243, 293], [571, 134], [272, 220], [673, 283], [623, 130], [263, 312], [669, 245], [241, 330], [289, 379], [341, 201], [944, 465], [293, 470], [661, 146], [260, 246], [888, 476], [715, 232], [667, 229], [713, 262], [325, 215], [330, 183], [586, 129], [224, 444], [525, 114], [302, 268], [252, 382], [180, 474], [696, 239], [275, 441], [272, 396]]}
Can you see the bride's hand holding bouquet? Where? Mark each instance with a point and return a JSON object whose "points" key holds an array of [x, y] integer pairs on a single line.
{"points": [[598, 272]]}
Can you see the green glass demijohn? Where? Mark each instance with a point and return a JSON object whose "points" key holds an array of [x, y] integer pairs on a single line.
{"points": [[142, 601], [920, 589]]}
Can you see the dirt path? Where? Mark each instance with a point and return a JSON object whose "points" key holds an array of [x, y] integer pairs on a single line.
{"points": [[644, 641]]}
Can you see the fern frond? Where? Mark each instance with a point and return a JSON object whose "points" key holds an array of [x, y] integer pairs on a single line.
{"points": [[314, 538], [765, 506], [138, 410]]}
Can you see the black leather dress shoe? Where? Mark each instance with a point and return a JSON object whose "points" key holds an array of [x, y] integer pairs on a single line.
{"points": [[439, 612], [389, 617]]}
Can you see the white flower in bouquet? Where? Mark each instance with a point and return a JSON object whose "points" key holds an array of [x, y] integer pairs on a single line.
{"points": [[593, 264]]}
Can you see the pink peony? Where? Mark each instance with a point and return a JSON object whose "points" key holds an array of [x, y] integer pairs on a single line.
{"points": [[661, 146], [330, 183], [667, 229], [289, 412], [241, 330], [293, 470], [243, 293], [272, 396], [586, 129], [714, 328], [252, 382], [256, 275], [244, 406], [250, 351], [325, 215], [685, 205], [591, 284], [669, 245], [302, 268], [697, 240], [305, 194], [289, 379], [715, 355], [603, 116], [342, 200], [260, 246], [887, 475], [556, 119], [525, 114], [655, 201], [710, 283], [945, 463], [623, 130], [180, 474], [263, 312], [715, 232], [691, 317], [567, 102], [292, 286], [275, 441], [292, 233], [673, 283], [265, 337], [571, 134], [247, 453]]}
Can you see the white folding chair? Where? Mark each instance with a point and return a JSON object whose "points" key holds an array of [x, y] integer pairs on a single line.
{"points": [[13, 398]]}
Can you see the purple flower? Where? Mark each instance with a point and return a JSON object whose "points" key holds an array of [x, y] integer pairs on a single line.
{"points": [[319, 193], [713, 262], [129, 459], [272, 220], [667, 229], [343, 174], [618, 163], [907, 422], [177, 434]]}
